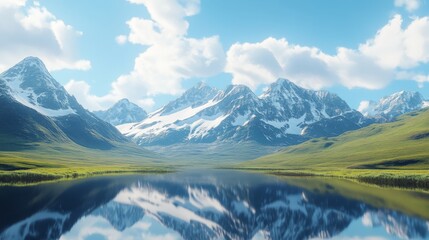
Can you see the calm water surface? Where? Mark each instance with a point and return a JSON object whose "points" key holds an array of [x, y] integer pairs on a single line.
{"points": [[211, 205]]}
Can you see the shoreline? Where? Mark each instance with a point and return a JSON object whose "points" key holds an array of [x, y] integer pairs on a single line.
{"points": [[38, 176], [401, 179]]}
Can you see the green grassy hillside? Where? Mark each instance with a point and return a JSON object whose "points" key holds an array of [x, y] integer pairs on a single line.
{"points": [[34, 148], [397, 149], [40, 161]]}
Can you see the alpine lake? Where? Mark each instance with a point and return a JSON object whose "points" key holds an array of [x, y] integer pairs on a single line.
{"points": [[211, 204]]}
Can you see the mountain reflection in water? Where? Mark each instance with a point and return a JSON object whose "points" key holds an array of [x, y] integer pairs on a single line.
{"points": [[197, 205]]}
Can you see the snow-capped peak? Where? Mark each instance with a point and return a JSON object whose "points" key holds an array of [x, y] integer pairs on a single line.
{"points": [[122, 112], [125, 103], [394, 105], [281, 86], [193, 97], [236, 91], [30, 83], [31, 67]]}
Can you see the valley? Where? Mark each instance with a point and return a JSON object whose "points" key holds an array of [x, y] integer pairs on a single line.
{"points": [[46, 135], [214, 120]]}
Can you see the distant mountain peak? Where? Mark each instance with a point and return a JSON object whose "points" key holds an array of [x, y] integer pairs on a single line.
{"points": [[234, 89], [200, 85], [122, 112], [33, 96], [29, 66], [123, 102], [30, 83], [281, 88], [32, 61], [193, 97], [283, 82], [389, 107]]}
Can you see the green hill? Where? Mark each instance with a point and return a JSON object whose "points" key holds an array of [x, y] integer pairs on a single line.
{"points": [[28, 163], [393, 150]]}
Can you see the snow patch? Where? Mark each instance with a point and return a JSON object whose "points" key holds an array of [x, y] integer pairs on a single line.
{"points": [[240, 120], [201, 127], [156, 124], [28, 98], [293, 125]]}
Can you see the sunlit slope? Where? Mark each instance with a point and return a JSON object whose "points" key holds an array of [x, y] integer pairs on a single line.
{"points": [[403, 144], [40, 161]]}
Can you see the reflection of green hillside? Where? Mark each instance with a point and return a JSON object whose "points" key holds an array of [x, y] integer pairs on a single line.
{"points": [[409, 202], [397, 150]]}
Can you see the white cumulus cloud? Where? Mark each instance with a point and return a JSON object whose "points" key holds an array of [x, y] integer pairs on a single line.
{"points": [[121, 39], [81, 90], [32, 30], [253, 64], [410, 5], [170, 56], [12, 3], [372, 65]]}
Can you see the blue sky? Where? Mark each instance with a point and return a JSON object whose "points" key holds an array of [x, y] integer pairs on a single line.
{"points": [[151, 51]]}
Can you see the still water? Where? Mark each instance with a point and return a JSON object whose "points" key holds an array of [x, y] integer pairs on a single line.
{"points": [[211, 205]]}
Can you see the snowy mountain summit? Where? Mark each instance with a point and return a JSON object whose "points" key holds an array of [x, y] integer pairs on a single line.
{"points": [[388, 108], [122, 112], [204, 114], [36, 108], [30, 83]]}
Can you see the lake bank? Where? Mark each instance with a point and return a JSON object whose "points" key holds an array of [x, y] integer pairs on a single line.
{"points": [[43, 175], [211, 204], [406, 179]]}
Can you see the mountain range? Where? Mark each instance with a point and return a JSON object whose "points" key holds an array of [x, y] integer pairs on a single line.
{"points": [[398, 145], [285, 114], [36, 108], [388, 108]]}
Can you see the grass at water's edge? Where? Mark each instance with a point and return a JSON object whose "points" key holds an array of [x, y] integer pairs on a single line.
{"points": [[404, 179], [48, 162], [43, 175]]}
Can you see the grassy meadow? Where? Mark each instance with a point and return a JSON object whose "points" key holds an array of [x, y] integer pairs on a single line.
{"points": [[390, 154], [41, 162]]}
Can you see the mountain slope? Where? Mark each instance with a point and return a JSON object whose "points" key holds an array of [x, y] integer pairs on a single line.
{"points": [[20, 124], [46, 135], [38, 108], [388, 108], [206, 115], [401, 144], [122, 112]]}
